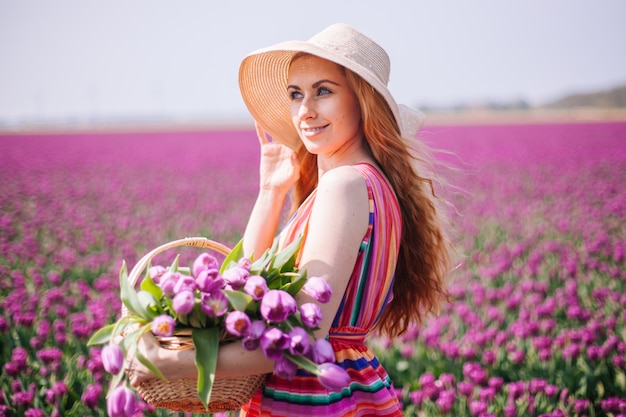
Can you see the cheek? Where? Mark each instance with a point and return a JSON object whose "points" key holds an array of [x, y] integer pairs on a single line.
{"points": [[352, 119], [294, 115]]}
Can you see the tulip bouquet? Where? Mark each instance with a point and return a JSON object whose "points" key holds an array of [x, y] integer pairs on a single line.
{"points": [[251, 301]]}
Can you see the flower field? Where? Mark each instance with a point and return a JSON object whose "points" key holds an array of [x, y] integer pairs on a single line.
{"points": [[537, 323]]}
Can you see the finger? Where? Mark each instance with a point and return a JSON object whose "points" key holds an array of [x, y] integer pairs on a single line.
{"points": [[261, 133]]}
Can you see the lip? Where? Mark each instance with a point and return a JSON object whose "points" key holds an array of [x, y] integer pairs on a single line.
{"points": [[312, 130]]}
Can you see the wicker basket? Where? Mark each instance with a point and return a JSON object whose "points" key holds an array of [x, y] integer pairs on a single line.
{"points": [[228, 394]]}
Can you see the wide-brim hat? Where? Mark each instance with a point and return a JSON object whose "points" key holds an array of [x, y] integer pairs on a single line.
{"points": [[263, 78]]}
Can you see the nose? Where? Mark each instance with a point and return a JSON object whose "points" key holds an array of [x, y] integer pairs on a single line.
{"points": [[306, 109]]}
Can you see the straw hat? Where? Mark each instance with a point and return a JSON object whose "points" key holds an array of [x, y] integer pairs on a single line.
{"points": [[263, 78]]}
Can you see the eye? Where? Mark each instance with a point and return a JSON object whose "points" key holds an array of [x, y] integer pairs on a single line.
{"points": [[295, 94], [322, 91]]}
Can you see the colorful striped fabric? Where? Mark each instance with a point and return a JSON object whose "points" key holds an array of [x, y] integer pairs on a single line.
{"points": [[370, 392]]}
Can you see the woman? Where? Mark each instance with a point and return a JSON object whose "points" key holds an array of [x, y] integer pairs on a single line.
{"points": [[369, 221]]}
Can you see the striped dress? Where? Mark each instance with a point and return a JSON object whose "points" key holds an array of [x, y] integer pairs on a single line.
{"points": [[370, 392]]}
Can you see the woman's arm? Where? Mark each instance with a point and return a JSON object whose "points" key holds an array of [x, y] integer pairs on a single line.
{"points": [[279, 170], [233, 361], [337, 225]]}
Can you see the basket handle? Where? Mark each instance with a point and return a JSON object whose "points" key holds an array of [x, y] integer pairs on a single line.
{"points": [[199, 242]]}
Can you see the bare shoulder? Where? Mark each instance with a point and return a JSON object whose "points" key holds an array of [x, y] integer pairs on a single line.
{"points": [[339, 219], [345, 179], [342, 195]]}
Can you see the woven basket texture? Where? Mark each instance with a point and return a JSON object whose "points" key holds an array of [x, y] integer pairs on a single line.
{"points": [[228, 394]]}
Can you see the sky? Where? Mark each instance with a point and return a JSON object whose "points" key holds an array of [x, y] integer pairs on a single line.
{"points": [[86, 60]]}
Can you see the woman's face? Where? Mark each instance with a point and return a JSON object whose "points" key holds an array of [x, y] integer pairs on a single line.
{"points": [[324, 110]]}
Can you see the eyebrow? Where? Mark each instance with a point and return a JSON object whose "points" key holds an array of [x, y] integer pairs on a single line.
{"points": [[315, 84]]}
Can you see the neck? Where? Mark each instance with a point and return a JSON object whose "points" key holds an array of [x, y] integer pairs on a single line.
{"points": [[354, 153]]}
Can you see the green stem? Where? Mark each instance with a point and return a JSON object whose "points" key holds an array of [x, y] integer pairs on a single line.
{"points": [[303, 362]]}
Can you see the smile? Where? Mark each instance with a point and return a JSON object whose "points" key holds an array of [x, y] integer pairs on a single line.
{"points": [[311, 131]]}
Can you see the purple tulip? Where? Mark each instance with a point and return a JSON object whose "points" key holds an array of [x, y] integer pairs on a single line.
{"points": [[91, 395], [284, 368], [257, 328], [618, 361], [318, 289], [487, 394], [203, 262], [19, 358], [34, 412], [509, 410], [516, 390], [112, 358], [237, 323], [184, 302], [250, 343], [551, 390], [299, 341], [447, 380], [426, 378], [477, 407], [416, 397], [333, 377], [168, 282], [446, 400], [465, 388], [537, 385], [311, 315], [496, 383], [322, 351], [156, 272], [581, 405], [58, 390], [214, 304], [256, 287], [277, 305], [255, 331], [236, 277], [23, 398], [121, 402], [245, 263], [163, 325], [185, 283], [209, 280], [273, 343], [431, 391]]}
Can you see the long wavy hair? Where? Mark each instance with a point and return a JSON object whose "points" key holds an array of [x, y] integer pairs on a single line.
{"points": [[424, 260]]}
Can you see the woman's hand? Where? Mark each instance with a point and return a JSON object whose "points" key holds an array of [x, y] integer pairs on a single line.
{"points": [[280, 168]]}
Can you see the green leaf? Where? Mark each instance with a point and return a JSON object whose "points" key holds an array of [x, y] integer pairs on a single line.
{"points": [[286, 258], [174, 266], [195, 315], [238, 300], [129, 295], [273, 279], [148, 304], [262, 263], [296, 285], [234, 255], [150, 286], [115, 381], [200, 315], [206, 342], [102, 336]]}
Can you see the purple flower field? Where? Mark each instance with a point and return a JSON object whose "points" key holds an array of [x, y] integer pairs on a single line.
{"points": [[537, 326]]}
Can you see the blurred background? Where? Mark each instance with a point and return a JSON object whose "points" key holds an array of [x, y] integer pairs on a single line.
{"points": [[94, 63]]}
